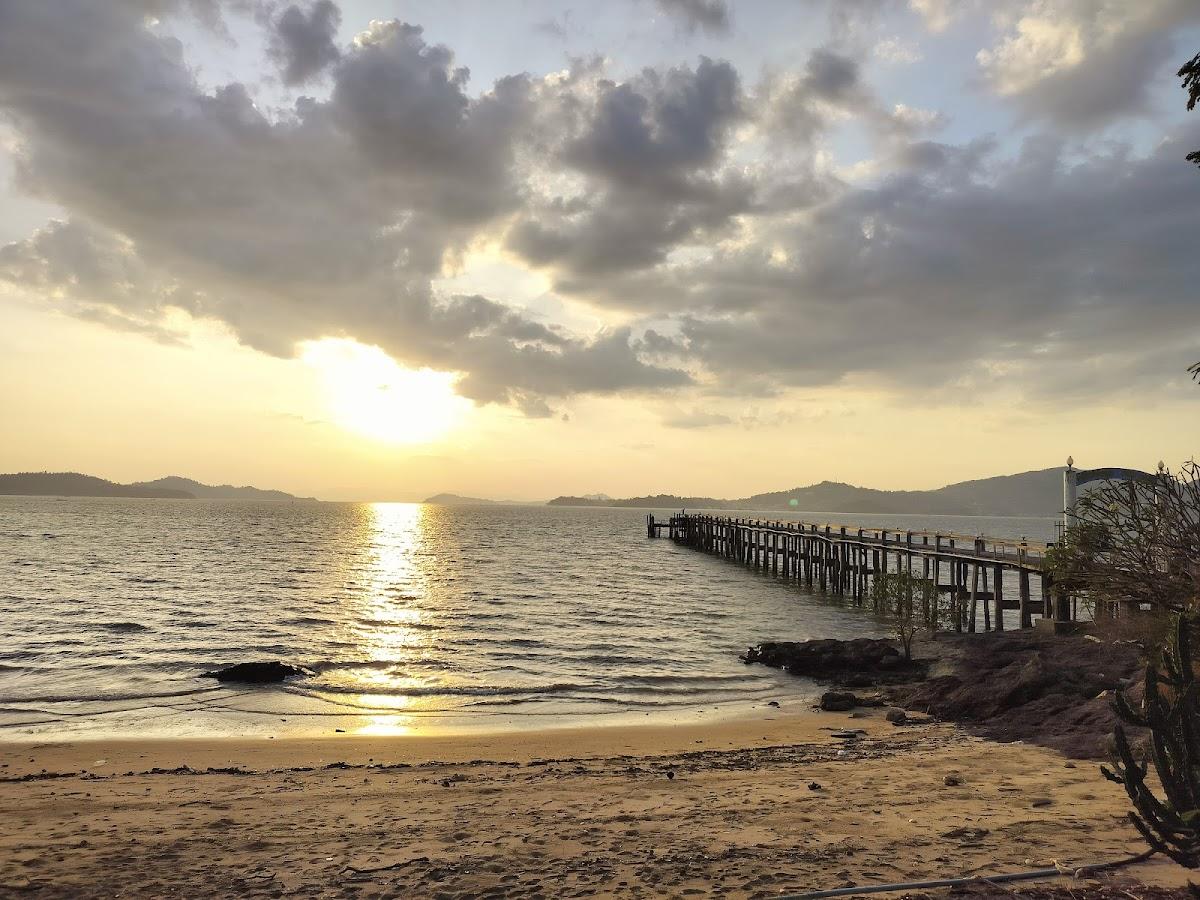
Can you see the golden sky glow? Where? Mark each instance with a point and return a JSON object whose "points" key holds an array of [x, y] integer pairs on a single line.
{"points": [[370, 395]]}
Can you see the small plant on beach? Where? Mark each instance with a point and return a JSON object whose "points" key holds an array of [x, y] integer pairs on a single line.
{"points": [[1170, 709], [909, 601]]}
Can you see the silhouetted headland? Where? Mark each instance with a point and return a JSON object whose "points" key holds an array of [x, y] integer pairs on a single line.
{"points": [[1036, 493], [173, 487]]}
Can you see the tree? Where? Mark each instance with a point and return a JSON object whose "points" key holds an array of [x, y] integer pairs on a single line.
{"points": [[1190, 73], [1135, 542]]}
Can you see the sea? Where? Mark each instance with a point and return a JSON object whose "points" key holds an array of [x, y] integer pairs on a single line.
{"points": [[413, 618]]}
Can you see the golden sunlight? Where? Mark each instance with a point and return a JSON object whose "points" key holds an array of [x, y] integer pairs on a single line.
{"points": [[370, 394]]}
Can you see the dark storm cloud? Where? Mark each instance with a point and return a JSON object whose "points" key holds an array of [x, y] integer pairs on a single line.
{"points": [[710, 15], [304, 42]]}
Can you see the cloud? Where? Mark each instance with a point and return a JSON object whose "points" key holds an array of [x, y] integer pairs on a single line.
{"points": [[1080, 64], [644, 172], [552, 27], [330, 218], [964, 266], [696, 419], [701, 220], [709, 15], [303, 44], [894, 50]]}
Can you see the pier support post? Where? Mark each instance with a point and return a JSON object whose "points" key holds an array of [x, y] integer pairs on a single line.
{"points": [[998, 598]]}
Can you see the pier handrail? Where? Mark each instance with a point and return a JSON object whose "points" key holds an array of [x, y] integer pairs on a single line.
{"points": [[876, 533]]}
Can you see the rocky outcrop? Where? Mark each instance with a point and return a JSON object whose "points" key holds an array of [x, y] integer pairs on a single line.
{"points": [[1053, 690], [861, 662], [257, 672]]}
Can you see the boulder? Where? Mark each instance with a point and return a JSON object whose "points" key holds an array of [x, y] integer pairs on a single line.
{"points": [[860, 662], [838, 701], [896, 716], [257, 672]]}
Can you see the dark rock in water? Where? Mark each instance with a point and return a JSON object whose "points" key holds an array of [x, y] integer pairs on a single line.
{"points": [[859, 663], [838, 701], [257, 672]]}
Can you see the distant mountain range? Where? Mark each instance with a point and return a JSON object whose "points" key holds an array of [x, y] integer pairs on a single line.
{"points": [[73, 484], [459, 500], [1037, 493]]}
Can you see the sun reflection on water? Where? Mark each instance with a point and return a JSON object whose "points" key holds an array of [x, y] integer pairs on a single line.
{"points": [[392, 629]]}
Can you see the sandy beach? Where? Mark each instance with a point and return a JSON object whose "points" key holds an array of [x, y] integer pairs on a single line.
{"points": [[749, 808]]}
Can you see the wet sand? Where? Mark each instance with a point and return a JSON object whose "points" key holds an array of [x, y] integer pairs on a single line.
{"points": [[722, 808]]}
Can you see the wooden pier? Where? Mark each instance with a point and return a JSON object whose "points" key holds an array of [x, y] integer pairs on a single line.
{"points": [[982, 578]]}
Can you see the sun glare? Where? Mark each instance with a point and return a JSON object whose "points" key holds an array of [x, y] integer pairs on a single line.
{"points": [[370, 394]]}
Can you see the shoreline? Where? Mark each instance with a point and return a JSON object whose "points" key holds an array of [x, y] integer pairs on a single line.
{"points": [[744, 808], [789, 695], [755, 728]]}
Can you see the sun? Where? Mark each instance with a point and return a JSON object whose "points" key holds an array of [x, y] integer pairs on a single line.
{"points": [[371, 395]]}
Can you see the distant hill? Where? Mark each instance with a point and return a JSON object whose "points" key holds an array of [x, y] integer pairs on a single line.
{"points": [[1037, 493], [73, 484], [459, 500], [217, 491]]}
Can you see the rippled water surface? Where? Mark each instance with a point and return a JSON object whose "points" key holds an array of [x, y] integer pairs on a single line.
{"points": [[413, 617]]}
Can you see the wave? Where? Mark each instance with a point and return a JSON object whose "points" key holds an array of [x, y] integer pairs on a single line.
{"points": [[396, 623], [116, 697], [309, 620], [120, 627], [440, 690]]}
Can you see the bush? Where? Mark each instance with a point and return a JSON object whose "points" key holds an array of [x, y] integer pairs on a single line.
{"points": [[910, 602]]}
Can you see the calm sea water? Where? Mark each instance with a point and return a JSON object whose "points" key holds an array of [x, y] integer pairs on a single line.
{"points": [[414, 617]]}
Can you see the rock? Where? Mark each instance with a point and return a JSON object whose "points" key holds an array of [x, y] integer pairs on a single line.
{"points": [[814, 786], [952, 780], [1041, 801], [896, 716], [774, 703], [860, 662], [257, 672], [838, 701], [670, 775]]}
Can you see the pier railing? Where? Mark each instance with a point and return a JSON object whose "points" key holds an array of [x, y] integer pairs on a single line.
{"points": [[844, 560]]}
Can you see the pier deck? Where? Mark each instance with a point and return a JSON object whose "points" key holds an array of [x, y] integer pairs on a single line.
{"points": [[982, 577]]}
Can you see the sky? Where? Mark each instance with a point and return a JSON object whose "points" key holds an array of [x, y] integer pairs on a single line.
{"points": [[380, 249]]}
